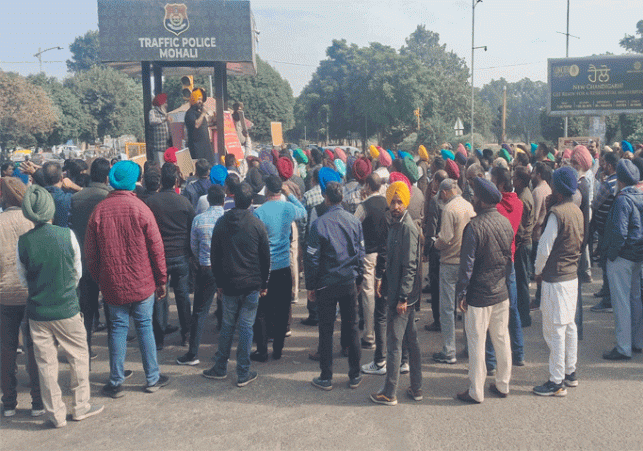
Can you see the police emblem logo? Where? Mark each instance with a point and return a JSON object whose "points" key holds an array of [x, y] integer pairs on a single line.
{"points": [[176, 18]]}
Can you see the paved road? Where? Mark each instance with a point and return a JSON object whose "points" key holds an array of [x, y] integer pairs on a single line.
{"points": [[281, 410]]}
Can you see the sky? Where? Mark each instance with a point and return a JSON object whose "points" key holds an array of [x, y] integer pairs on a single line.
{"points": [[519, 34]]}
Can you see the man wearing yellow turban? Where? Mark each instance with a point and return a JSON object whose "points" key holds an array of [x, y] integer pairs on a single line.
{"points": [[403, 252], [196, 124], [374, 152]]}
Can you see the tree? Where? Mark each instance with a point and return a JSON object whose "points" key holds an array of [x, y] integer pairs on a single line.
{"points": [[633, 43], [84, 52], [25, 111]]}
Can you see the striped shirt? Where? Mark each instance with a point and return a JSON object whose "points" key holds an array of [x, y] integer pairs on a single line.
{"points": [[201, 234]]}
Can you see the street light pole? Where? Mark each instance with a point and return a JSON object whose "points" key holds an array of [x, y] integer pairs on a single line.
{"points": [[567, 56], [473, 49], [40, 52]]}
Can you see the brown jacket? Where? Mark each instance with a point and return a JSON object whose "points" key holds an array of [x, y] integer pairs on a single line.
{"points": [[456, 214], [13, 224], [562, 264]]}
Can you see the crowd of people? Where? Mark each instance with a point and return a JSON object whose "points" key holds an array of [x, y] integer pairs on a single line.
{"points": [[366, 234]]}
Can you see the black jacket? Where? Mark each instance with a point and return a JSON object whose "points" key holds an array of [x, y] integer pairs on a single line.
{"points": [[240, 253], [174, 215]]}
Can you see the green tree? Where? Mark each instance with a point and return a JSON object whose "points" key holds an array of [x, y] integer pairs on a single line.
{"points": [[84, 52], [633, 43]]}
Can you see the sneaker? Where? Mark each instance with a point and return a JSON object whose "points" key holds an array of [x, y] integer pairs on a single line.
{"points": [[518, 362], [322, 384], [127, 374], [162, 382], [187, 359], [212, 374], [433, 327], [615, 355], [9, 412], [380, 398], [571, 380], [602, 307], [38, 412], [405, 368], [113, 391], [259, 357], [534, 306], [170, 330], [288, 333], [374, 368], [131, 338], [309, 322], [586, 278], [491, 372], [440, 357], [550, 388], [602, 293], [355, 381], [415, 395], [52, 424], [276, 354], [368, 346], [93, 410], [252, 375]]}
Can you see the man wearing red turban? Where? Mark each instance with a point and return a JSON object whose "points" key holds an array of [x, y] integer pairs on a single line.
{"points": [[159, 126]]}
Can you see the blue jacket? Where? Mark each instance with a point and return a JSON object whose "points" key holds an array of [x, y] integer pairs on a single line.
{"points": [[62, 200], [335, 252], [623, 228]]}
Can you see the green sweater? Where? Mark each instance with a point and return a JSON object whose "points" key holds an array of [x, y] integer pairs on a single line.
{"points": [[49, 261]]}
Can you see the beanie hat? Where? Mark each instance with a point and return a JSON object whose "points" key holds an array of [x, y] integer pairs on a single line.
{"points": [[423, 154], [452, 169], [447, 154], [373, 152], [550, 157], [385, 159], [170, 155], [627, 172], [410, 169], [123, 175], [460, 158], [401, 189], [399, 177], [38, 205], [285, 168], [467, 146], [565, 180], [218, 174], [582, 156], [300, 156], [274, 184], [13, 191], [339, 153], [160, 99], [326, 175], [340, 166], [362, 168], [486, 191]]}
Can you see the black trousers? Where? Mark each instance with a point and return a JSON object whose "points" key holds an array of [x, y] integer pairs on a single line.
{"points": [[89, 307], [327, 300], [434, 280], [273, 311]]}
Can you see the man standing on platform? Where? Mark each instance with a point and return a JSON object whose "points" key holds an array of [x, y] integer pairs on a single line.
{"points": [[196, 124], [160, 122]]}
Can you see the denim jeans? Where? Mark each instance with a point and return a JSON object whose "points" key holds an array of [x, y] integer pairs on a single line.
{"points": [[238, 311], [521, 266], [178, 273], [119, 316], [515, 327], [204, 290], [448, 279], [625, 288], [327, 300]]}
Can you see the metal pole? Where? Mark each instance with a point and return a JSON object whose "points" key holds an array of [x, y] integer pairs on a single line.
{"points": [[504, 113], [40, 58], [567, 56], [147, 106], [219, 73], [473, 24]]}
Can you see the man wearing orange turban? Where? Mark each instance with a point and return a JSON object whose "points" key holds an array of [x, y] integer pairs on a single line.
{"points": [[196, 124], [403, 252]]}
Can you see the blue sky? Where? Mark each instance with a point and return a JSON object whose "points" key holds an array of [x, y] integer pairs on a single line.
{"points": [[520, 34]]}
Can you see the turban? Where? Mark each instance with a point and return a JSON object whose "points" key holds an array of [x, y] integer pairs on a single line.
{"points": [[170, 155], [447, 154], [300, 156], [124, 175], [218, 174], [410, 169], [275, 155], [385, 159], [13, 191], [424, 155], [626, 147], [399, 177], [160, 99], [274, 184], [505, 155], [567, 154], [391, 154], [565, 180], [460, 159], [452, 170], [326, 175], [362, 169], [507, 147], [373, 152], [339, 153], [196, 96], [533, 148], [402, 155], [340, 166], [23, 177], [350, 161], [285, 168], [479, 154], [38, 205], [486, 191], [520, 150], [329, 154], [461, 150], [626, 172], [400, 189], [467, 146], [487, 153], [582, 156], [267, 168], [302, 170], [265, 155], [550, 156]]}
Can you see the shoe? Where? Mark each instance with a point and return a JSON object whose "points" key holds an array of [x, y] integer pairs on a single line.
{"points": [[252, 375], [380, 398], [493, 389], [440, 357], [51, 424], [534, 306], [288, 333], [366, 345], [19, 350], [615, 355], [585, 278], [276, 355], [38, 412], [414, 395], [159, 347], [405, 368], [9, 412], [187, 359], [127, 374], [374, 368], [170, 330], [602, 293], [309, 322], [93, 410], [322, 384], [344, 352], [113, 391], [571, 380], [99, 327], [162, 382], [491, 372], [636, 350], [466, 397], [518, 363], [314, 356], [433, 327], [550, 388], [131, 338], [355, 381], [259, 357], [602, 307], [212, 374], [93, 355]]}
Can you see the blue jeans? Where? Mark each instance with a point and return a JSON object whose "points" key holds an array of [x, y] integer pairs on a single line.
{"points": [[237, 311], [178, 273], [515, 326], [118, 326]]}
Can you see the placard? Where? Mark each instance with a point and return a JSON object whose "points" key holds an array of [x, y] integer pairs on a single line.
{"points": [[140, 160], [185, 163], [276, 133]]}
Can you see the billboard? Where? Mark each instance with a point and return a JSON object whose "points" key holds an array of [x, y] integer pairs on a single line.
{"points": [[161, 31], [595, 86]]}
